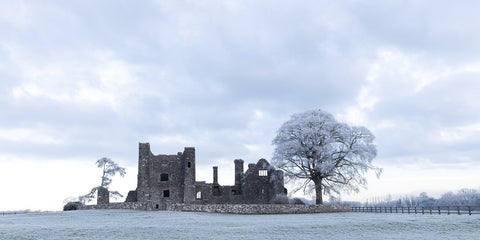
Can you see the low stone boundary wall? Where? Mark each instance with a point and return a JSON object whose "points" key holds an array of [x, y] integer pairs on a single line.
{"points": [[226, 208], [259, 208], [119, 205]]}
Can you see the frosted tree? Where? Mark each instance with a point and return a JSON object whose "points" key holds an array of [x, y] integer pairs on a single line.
{"points": [[109, 169], [324, 155]]}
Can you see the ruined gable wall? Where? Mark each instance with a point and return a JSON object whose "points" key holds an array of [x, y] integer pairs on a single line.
{"points": [[256, 188]]}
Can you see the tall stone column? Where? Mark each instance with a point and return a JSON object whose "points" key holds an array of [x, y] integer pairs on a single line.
{"points": [[215, 175], [238, 174], [103, 196]]}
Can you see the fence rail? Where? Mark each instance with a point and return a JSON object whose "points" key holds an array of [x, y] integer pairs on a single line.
{"points": [[459, 210], [19, 212]]}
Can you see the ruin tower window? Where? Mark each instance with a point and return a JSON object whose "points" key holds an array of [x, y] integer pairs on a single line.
{"points": [[189, 164], [262, 172], [166, 193], [216, 191], [164, 177], [199, 195]]}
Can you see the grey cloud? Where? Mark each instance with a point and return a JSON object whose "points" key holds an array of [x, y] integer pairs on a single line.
{"points": [[439, 28], [200, 71]]}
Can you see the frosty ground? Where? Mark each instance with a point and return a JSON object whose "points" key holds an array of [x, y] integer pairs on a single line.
{"points": [[130, 224]]}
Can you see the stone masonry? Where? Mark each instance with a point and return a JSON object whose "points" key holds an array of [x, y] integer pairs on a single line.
{"points": [[103, 196], [260, 208], [165, 180]]}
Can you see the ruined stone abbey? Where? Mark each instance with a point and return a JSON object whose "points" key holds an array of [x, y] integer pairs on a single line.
{"points": [[164, 180]]}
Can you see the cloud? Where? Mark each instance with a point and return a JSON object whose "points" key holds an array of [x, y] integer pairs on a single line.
{"points": [[91, 80], [420, 108]]}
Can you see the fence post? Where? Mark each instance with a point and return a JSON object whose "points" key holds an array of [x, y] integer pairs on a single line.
{"points": [[390, 209], [430, 210], [415, 209], [396, 209], [408, 209], [448, 210], [438, 210], [469, 211], [423, 212], [385, 209], [458, 210], [402, 210]]}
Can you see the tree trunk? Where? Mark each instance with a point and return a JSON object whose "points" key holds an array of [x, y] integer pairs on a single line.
{"points": [[318, 191]]}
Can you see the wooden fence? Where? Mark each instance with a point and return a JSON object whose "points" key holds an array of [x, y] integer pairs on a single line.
{"points": [[460, 210]]}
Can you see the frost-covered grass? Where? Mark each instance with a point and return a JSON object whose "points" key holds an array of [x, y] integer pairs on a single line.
{"points": [[129, 224]]}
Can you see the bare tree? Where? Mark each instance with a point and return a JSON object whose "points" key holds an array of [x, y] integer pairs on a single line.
{"points": [[314, 148], [109, 169]]}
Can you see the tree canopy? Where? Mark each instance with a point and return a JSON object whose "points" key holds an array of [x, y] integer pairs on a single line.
{"points": [[314, 148], [109, 169]]}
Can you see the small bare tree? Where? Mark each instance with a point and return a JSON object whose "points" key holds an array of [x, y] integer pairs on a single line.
{"points": [[109, 169]]}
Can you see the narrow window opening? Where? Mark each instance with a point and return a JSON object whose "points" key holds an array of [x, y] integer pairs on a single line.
{"points": [[166, 193], [234, 192], [156, 206], [199, 195], [189, 164], [216, 191], [164, 177], [262, 173]]}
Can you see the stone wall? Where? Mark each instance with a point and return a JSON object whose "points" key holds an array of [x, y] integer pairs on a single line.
{"points": [[163, 178], [226, 208], [119, 205], [259, 208], [103, 195]]}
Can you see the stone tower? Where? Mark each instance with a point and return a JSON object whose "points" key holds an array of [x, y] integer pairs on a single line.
{"points": [[164, 179], [189, 173], [238, 175]]}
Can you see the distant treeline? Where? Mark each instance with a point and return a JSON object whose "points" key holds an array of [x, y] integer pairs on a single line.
{"points": [[464, 197]]}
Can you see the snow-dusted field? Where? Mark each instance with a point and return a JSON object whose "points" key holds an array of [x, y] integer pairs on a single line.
{"points": [[128, 224]]}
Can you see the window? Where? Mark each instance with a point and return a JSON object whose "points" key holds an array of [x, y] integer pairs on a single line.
{"points": [[199, 195], [166, 193], [216, 191], [189, 164], [234, 192], [156, 206], [164, 177], [262, 173]]}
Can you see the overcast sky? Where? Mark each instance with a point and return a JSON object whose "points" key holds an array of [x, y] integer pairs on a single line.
{"points": [[80, 80]]}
